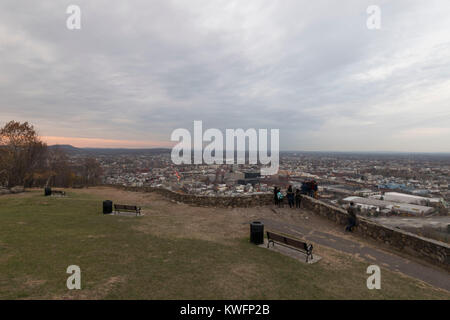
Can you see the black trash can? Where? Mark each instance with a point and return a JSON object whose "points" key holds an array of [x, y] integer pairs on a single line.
{"points": [[257, 232], [107, 206], [47, 191]]}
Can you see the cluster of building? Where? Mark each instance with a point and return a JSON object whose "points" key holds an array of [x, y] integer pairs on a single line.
{"points": [[157, 170], [380, 185]]}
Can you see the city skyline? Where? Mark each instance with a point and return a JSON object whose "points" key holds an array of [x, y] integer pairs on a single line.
{"points": [[136, 71]]}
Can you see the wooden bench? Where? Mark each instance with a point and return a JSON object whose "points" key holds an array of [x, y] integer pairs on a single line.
{"points": [[58, 193], [127, 208], [290, 243]]}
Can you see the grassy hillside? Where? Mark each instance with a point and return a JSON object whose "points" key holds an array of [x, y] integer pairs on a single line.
{"points": [[133, 258]]}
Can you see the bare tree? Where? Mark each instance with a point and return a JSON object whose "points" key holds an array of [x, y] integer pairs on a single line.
{"points": [[60, 172], [22, 153], [92, 172]]}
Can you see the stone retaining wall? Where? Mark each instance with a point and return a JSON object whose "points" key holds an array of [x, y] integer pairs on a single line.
{"points": [[243, 201], [433, 251]]}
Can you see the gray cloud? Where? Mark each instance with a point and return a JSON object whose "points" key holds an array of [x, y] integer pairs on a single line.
{"points": [[139, 69]]}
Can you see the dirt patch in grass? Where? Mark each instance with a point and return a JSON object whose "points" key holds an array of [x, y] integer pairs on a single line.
{"points": [[96, 236], [240, 282], [26, 194], [32, 283], [100, 292], [103, 290], [167, 218], [203, 222], [334, 260]]}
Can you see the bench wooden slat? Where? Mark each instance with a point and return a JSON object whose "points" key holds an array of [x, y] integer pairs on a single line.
{"points": [[296, 243], [290, 242], [276, 237], [124, 207]]}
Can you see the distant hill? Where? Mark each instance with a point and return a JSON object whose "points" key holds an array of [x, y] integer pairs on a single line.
{"points": [[65, 147], [72, 150]]}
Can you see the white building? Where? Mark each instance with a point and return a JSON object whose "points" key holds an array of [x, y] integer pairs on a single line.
{"points": [[412, 209], [406, 198]]}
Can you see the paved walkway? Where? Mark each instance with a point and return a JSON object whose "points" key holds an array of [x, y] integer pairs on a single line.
{"points": [[436, 277]]}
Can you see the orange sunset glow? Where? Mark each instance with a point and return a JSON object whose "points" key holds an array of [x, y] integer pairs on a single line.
{"points": [[105, 143]]}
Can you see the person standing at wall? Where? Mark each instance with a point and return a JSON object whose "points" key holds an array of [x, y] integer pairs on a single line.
{"points": [[298, 198], [275, 195], [304, 188], [310, 189], [351, 217], [280, 197], [290, 196], [315, 188]]}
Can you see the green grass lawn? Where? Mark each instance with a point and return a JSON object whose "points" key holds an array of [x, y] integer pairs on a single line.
{"points": [[41, 236]]}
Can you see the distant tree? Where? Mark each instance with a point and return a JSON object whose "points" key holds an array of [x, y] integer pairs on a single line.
{"points": [[60, 171], [22, 154], [92, 172]]}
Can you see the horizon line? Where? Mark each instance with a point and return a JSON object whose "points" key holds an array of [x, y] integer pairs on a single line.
{"points": [[300, 151]]}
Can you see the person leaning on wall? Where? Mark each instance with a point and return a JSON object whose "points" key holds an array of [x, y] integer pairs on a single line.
{"points": [[351, 217]]}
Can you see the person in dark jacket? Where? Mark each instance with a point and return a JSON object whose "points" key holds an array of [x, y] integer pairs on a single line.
{"points": [[298, 198], [314, 188], [275, 195], [309, 188], [304, 188], [351, 217], [290, 196]]}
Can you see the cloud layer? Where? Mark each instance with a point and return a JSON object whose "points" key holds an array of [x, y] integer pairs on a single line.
{"points": [[139, 69]]}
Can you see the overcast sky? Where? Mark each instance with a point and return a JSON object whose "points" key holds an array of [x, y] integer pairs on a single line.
{"points": [[137, 70]]}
